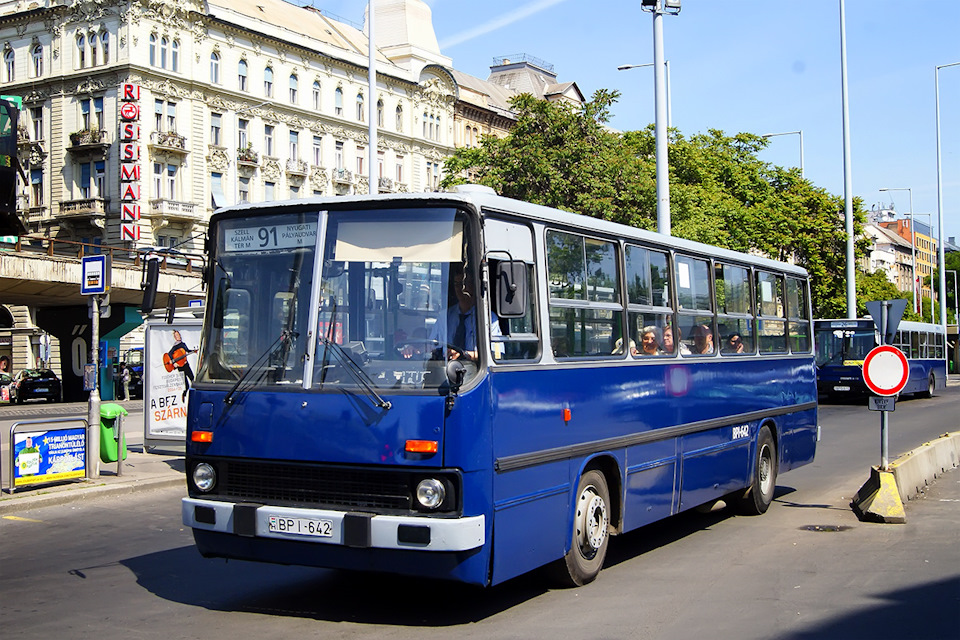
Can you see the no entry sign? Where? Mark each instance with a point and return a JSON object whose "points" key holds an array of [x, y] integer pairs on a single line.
{"points": [[885, 370]]}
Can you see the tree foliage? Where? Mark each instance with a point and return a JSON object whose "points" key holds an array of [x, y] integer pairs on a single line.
{"points": [[720, 192]]}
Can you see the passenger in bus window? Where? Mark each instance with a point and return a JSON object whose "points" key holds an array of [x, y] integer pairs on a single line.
{"points": [[668, 342], [458, 326], [734, 344], [650, 341], [702, 340], [618, 348]]}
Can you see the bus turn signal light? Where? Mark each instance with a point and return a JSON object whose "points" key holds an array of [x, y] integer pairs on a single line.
{"points": [[202, 436], [421, 446]]}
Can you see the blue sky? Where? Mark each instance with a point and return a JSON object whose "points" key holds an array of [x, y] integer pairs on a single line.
{"points": [[760, 66]]}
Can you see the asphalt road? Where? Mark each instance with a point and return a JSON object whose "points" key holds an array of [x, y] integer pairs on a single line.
{"points": [[126, 568]]}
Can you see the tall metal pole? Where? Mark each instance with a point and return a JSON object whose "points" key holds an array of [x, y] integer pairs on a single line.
{"points": [[847, 171], [943, 276], [372, 169], [93, 406], [660, 96]]}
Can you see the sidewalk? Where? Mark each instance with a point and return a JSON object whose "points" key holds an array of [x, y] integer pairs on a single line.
{"points": [[141, 471]]}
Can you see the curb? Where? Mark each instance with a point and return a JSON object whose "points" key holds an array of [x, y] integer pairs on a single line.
{"points": [[81, 491], [916, 469]]}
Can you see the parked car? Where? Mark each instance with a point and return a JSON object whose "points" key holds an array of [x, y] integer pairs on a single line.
{"points": [[6, 382], [30, 384]]}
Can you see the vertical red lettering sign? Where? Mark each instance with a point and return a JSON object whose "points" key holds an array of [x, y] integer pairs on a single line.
{"points": [[129, 163]]}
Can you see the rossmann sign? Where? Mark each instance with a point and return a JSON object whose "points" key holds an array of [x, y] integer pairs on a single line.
{"points": [[130, 163]]}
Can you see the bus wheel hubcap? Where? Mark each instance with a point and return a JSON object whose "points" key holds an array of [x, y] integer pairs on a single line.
{"points": [[591, 522]]}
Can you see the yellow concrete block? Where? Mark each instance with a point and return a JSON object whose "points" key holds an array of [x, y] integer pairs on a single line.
{"points": [[878, 500]]}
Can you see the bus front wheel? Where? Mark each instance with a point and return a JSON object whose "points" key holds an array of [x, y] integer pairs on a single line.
{"points": [[757, 498], [591, 531]]}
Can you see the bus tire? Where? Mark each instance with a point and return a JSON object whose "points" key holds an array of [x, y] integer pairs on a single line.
{"points": [[758, 496], [591, 532], [931, 387]]}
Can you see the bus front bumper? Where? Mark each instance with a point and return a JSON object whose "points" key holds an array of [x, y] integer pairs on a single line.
{"points": [[322, 526]]}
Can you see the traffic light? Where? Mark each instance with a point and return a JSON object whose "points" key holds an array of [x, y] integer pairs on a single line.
{"points": [[151, 278]]}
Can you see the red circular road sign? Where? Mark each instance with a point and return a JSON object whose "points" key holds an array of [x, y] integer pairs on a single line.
{"points": [[885, 370]]}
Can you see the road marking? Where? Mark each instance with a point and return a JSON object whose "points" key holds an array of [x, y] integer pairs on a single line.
{"points": [[19, 519]]}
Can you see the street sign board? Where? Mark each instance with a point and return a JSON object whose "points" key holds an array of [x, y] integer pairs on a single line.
{"points": [[887, 327], [882, 403], [93, 279], [885, 370]]}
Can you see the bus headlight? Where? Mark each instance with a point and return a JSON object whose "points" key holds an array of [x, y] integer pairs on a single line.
{"points": [[430, 493], [204, 477]]}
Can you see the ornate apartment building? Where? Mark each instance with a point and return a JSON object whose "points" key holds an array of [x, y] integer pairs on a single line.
{"points": [[230, 101]]}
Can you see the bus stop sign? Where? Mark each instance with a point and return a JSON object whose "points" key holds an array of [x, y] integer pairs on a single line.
{"points": [[885, 370]]}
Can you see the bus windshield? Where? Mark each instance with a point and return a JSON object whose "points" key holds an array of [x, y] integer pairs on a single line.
{"points": [[840, 346], [377, 317]]}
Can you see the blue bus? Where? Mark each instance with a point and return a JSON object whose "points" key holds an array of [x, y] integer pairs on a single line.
{"points": [[616, 377], [842, 346]]}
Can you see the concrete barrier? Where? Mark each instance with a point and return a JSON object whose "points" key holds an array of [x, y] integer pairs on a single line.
{"points": [[916, 469]]}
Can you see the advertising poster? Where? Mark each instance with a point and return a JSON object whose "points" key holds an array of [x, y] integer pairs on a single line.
{"points": [[169, 368], [48, 456]]}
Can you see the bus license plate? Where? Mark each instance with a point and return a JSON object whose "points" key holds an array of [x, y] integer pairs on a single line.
{"points": [[301, 526], [842, 388]]}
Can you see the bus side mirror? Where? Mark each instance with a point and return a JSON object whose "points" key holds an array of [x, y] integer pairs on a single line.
{"points": [[151, 278], [512, 289]]}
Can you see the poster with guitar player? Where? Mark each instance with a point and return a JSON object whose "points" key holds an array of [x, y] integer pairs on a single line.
{"points": [[170, 361]]}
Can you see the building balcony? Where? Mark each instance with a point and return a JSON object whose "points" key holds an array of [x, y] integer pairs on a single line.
{"points": [[174, 211], [89, 210], [385, 185], [168, 141], [297, 168], [343, 176], [92, 143], [248, 157]]}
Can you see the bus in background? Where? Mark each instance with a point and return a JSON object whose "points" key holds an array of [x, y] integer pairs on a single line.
{"points": [[842, 346], [617, 376]]}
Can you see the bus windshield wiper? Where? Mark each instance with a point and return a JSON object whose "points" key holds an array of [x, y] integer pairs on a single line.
{"points": [[282, 342], [356, 371]]}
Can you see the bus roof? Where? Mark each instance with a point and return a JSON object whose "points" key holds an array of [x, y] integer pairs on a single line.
{"points": [[485, 199]]}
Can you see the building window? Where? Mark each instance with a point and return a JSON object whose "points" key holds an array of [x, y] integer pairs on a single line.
{"points": [[215, 68], [243, 189], [105, 47], [93, 50], [269, 191], [242, 133], [165, 180], [360, 107], [172, 181], [361, 153], [37, 61], [338, 101], [380, 164], [36, 120], [92, 179], [294, 192], [242, 75], [161, 108], [424, 124], [379, 113], [175, 56], [294, 145], [399, 118], [268, 140], [164, 46], [215, 128], [36, 188], [317, 151], [81, 52], [338, 157], [316, 95], [268, 82], [217, 198], [294, 85], [436, 131], [399, 168], [91, 113], [153, 50]]}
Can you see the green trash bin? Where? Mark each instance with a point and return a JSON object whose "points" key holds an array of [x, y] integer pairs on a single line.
{"points": [[110, 413]]}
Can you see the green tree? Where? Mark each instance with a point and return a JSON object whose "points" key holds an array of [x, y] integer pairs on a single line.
{"points": [[720, 192]]}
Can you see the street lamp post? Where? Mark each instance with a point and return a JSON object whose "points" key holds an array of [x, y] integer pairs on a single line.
{"points": [[913, 244], [940, 258], [658, 8], [626, 67], [788, 133], [956, 298]]}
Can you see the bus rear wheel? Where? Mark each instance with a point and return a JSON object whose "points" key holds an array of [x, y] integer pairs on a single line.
{"points": [[591, 532], [931, 386], [757, 498]]}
